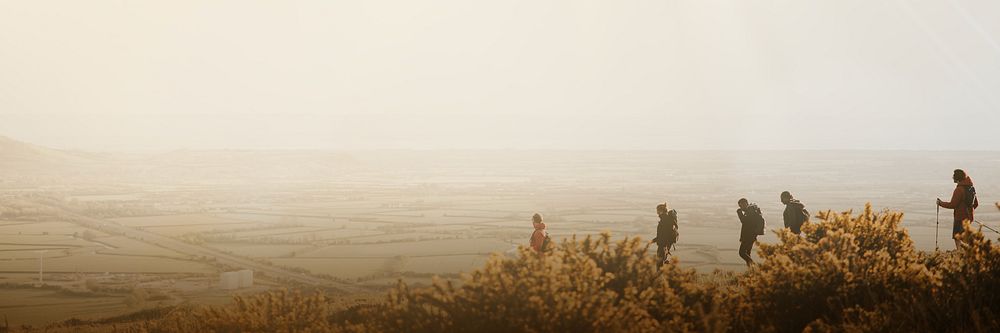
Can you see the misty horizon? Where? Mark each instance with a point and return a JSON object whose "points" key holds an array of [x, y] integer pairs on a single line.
{"points": [[675, 75], [154, 150]]}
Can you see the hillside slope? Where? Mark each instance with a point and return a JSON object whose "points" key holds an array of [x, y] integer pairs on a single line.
{"points": [[22, 156]]}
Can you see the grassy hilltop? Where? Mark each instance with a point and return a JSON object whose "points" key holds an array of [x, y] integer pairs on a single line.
{"points": [[849, 273]]}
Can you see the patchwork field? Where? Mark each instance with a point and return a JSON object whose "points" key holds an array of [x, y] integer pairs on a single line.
{"points": [[39, 306]]}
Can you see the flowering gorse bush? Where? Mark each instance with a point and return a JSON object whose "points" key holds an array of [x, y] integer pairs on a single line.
{"points": [[843, 264], [593, 285], [272, 312]]}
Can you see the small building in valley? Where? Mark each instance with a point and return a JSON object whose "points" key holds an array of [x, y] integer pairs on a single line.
{"points": [[236, 280]]}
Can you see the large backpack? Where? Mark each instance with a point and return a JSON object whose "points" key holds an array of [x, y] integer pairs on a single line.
{"points": [[674, 234], [755, 215], [970, 196], [804, 217]]}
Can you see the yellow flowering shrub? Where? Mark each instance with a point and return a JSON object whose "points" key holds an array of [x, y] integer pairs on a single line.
{"points": [[969, 294], [843, 265], [280, 311], [593, 285]]}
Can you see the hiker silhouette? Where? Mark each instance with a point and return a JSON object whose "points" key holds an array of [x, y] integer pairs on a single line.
{"points": [[795, 213], [752, 225], [666, 232]]}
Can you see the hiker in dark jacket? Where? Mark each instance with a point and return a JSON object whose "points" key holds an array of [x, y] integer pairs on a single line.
{"points": [[795, 213], [666, 232], [752, 225], [963, 201]]}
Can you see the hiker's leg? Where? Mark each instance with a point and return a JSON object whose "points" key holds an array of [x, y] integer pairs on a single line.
{"points": [[742, 248], [660, 255], [956, 230], [745, 248], [746, 253]]}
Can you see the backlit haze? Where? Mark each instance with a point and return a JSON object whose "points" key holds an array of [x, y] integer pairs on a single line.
{"points": [[581, 75], [162, 157]]}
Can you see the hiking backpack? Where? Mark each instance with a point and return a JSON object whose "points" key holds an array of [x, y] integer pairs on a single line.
{"points": [[753, 211], [970, 196], [674, 234]]}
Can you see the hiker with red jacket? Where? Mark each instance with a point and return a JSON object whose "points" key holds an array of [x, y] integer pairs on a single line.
{"points": [[963, 201], [539, 238], [666, 232]]}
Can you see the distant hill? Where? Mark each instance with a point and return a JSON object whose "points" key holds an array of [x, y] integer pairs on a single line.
{"points": [[22, 156], [19, 158]]}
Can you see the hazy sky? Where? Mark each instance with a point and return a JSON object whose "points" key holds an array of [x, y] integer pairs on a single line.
{"points": [[574, 74]]}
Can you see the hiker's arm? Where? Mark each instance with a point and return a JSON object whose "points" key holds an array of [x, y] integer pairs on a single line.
{"points": [[976, 203], [956, 197]]}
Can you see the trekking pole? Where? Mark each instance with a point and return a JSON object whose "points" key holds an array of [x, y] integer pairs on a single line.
{"points": [[987, 227], [937, 227]]}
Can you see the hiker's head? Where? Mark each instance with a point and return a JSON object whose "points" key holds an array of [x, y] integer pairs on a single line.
{"points": [[537, 218], [786, 197], [743, 203], [661, 208], [959, 175]]}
